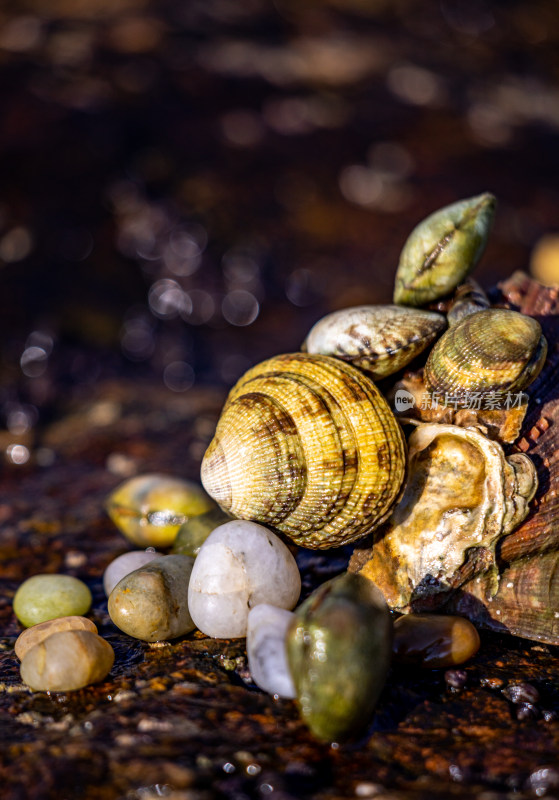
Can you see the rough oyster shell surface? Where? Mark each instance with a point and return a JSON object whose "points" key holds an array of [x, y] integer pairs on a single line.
{"points": [[526, 602], [460, 497]]}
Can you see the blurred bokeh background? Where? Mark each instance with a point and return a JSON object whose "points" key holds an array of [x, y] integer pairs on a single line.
{"points": [[187, 185]]}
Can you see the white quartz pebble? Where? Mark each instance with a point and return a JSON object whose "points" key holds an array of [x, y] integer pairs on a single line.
{"points": [[267, 656], [240, 565], [125, 564]]}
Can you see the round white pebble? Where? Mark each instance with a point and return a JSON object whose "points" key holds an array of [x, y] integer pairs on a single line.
{"points": [[125, 564], [267, 655], [240, 565]]}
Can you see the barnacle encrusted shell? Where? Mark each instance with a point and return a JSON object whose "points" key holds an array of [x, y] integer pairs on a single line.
{"points": [[379, 339], [496, 350], [443, 249], [307, 444], [339, 646], [461, 496]]}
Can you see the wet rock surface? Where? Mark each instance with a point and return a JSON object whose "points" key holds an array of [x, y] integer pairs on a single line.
{"points": [[183, 718]]}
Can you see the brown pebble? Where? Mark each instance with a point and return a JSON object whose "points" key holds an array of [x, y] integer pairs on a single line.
{"points": [[434, 640], [519, 693], [456, 678], [38, 633], [527, 711], [492, 683], [67, 660]]}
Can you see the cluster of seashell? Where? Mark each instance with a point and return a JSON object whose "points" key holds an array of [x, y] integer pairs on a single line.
{"points": [[306, 442], [308, 446]]}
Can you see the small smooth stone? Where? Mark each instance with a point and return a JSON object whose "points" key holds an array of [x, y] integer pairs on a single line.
{"points": [[339, 647], [266, 650], [240, 565], [151, 603], [67, 660], [149, 509], [434, 640], [44, 597], [124, 565], [38, 633], [195, 531]]}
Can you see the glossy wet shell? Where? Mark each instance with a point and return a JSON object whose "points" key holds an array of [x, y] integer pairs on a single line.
{"points": [[443, 249], [149, 509], [496, 350], [378, 339], [339, 647], [461, 496], [308, 445]]}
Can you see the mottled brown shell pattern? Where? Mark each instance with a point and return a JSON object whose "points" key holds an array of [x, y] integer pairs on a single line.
{"points": [[378, 339], [495, 350], [308, 445]]}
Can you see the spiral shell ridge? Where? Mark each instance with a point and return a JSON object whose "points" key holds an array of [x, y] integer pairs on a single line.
{"points": [[308, 445]]}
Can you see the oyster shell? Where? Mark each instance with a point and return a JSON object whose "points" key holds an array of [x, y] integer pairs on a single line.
{"points": [[443, 249], [527, 601], [378, 339], [460, 497], [307, 444], [495, 351]]}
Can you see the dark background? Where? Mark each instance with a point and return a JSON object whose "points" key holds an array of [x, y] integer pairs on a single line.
{"points": [[185, 187]]}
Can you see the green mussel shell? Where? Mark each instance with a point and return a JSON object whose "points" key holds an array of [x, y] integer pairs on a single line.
{"points": [[339, 648], [443, 249]]}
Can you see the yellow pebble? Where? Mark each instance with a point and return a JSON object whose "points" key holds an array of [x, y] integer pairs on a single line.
{"points": [[67, 660], [38, 633]]}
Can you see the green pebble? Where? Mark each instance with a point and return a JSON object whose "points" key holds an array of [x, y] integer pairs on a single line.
{"points": [[193, 533], [45, 597]]}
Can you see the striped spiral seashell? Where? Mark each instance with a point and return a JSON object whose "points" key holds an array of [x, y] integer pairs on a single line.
{"points": [[308, 445]]}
